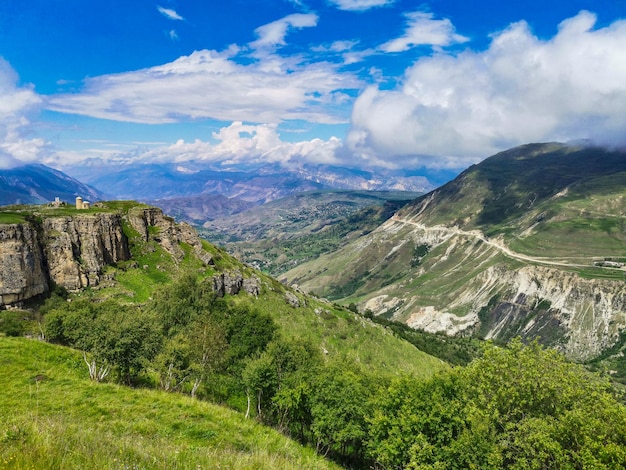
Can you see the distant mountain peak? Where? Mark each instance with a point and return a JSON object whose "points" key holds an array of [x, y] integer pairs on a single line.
{"points": [[39, 184]]}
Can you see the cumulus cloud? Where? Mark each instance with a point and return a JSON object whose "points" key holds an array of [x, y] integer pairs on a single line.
{"points": [[238, 143], [454, 109], [361, 5], [423, 29], [16, 104], [209, 84], [273, 34], [169, 13]]}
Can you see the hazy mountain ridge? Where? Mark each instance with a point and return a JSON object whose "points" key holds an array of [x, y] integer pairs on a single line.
{"points": [[38, 184], [503, 249], [258, 184]]}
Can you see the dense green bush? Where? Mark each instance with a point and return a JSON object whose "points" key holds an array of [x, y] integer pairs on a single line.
{"points": [[516, 407], [12, 323]]}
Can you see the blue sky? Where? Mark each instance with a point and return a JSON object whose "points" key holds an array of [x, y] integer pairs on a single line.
{"points": [[399, 84]]}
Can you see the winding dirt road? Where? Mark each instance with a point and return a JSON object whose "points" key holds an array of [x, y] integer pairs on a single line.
{"points": [[498, 244]]}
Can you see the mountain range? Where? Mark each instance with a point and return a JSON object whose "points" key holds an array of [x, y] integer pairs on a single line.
{"points": [[257, 184]]}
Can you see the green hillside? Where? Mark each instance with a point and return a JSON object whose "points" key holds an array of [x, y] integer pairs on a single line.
{"points": [[528, 242], [218, 330], [54, 417], [545, 199]]}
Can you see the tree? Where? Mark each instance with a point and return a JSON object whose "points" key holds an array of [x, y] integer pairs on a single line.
{"points": [[122, 338], [207, 342], [340, 402], [277, 378], [516, 407], [173, 363]]}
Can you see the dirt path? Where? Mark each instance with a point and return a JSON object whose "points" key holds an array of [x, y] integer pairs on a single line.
{"points": [[498, 244]]}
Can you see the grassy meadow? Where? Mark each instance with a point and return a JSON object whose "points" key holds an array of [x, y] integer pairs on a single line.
{"points": [[54, 417]]}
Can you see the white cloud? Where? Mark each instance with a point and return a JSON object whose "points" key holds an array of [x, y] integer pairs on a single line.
{"points": [[454, 109], [346, 50], [169, 13], [16, 104], [422, 29], [361, 5], [238, 143], [208, 84], [273, 34]]}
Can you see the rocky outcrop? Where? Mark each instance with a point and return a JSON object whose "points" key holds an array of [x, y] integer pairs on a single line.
{"points": [[231, 283], [292, 299], [23, 274], [78, 248], [152, 224]]}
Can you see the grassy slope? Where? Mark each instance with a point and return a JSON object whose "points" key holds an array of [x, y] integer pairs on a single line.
{"points": [[545, 200], [348, 337], [335, 329], [54, 417]]}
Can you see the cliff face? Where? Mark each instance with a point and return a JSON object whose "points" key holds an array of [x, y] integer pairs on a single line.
{"points": [[78, 248], [72, 252], [473, 290], [23, 274], [66, 251]]}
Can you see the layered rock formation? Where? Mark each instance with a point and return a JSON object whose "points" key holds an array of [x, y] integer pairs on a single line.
{"points": [[579, 316], [73, 251], [78, 248], [23, 274]]}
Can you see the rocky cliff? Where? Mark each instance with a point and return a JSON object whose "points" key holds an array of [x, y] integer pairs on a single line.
{"points": [[78, 248], [151, 223], [23, 274], [73, 251]]}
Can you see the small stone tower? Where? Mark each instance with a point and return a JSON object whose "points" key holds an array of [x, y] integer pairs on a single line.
{"points": [[79, 202]]}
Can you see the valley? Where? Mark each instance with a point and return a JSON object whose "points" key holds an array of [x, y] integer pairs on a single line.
{"points": [[380, 293], [282, 234], [513, 246]]}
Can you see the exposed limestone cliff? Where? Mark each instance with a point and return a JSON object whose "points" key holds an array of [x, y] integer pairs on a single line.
{"points": [[78, 248], [73, 251], [23, 274], [579, 316], [151, 223]]}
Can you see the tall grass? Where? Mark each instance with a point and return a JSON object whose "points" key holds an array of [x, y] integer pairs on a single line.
{"points": [[53, 417]]}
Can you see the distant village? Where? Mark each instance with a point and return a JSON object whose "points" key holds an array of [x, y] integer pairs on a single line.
{"points": [[80, 204]]}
